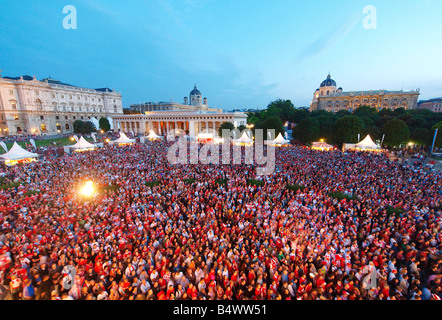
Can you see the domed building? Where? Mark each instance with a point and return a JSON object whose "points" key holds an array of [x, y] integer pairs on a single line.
{"points": [[331, 98], [194, 102]]}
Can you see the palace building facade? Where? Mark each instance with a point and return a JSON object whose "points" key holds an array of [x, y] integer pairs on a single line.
{"points": [[195, 102], [331, 98], [434, 104], [163, 122], [192, 117], [49, 106]]}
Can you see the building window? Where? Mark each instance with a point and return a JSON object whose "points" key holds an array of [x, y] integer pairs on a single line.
{"points": [[42, 117], [11, 92], [15, 117], [13, 104], [57, 118], [66, 117], [39, 104], [67, 126], [43, 127]]}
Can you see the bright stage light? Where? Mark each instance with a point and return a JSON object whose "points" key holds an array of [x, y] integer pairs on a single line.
{"points": [[88, 190]]}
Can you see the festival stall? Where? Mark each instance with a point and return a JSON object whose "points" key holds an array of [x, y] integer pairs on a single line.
{"points": [[123, 140], [82, 145], [205, 137], [244, 140], [365, 145], [368, 145], [279, 141], [18, 155], [153, 136], [322, 146]]}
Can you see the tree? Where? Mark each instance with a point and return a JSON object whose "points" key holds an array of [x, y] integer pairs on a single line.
{"points": [[438, 126], [365, 111], [241, 128], [89, 127], [104, 124], [283, 109], [84, 127], [226, 125], [421, 136], [326, 126], [307, 130], [396, 132], [274, 123], [347, 129], [78, 126]]}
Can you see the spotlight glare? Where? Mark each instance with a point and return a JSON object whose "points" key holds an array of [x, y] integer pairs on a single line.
{"points": [[88, 189]]}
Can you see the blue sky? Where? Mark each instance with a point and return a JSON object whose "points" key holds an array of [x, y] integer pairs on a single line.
{"points": [[241, 54]]}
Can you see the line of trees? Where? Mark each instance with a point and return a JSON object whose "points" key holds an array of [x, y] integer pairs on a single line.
{"points": [[86, 127], [400, 126]]}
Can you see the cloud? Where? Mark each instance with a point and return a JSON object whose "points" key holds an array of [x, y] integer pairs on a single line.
{"points": [[328, 40]]}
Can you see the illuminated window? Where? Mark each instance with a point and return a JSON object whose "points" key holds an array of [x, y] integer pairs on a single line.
{"points": [[15, 117], [43, 127]]}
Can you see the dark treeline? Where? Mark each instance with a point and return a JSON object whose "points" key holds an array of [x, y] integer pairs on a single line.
{"points": [[400, 126]]}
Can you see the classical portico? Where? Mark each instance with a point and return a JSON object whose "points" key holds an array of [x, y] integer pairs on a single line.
{"points": [[163, 122]]}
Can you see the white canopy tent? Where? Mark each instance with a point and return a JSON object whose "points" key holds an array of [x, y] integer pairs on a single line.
{"points": [[367, 144], [279, 140], [320, 145], [123, 139], [243, 140], [82, 145], [18, 155], [153, 136]]}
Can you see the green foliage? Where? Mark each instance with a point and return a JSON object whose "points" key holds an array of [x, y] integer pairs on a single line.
{"points": [[396, 132], [394, 211], [10, 185], [272, 123], [83, 127], [111, 187], [295, 187], [189, 181], [152, 183], [254, 182], [307, 130], [347, 129], [438, 126], [339, 196], [226, 125], [30, 193], [104, 124], [221, 181], [344, 126]]}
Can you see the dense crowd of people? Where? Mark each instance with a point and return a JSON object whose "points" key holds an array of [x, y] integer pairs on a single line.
{"points": [[156, 231]]}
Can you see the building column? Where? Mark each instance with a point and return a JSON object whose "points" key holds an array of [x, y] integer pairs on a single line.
{"points": [[192, 129]]}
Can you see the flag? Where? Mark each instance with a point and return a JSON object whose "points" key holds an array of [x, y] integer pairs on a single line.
{"points": [[269, 135], [359, 137], [286, 135], [434, 140], [382, 139], [76, 138], [33, 143], [94, 137], [4, 146]]}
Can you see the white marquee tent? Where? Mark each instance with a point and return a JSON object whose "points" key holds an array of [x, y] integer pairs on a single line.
{"points": [[279, 140], [367, 144], [153, 136], [123, 139], [243, 140], [17, 155], [82, 145]]}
